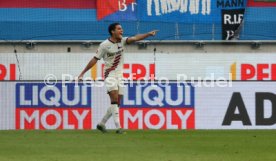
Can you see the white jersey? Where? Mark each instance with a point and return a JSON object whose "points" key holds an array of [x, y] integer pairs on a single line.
{"points": [[113, 56]]}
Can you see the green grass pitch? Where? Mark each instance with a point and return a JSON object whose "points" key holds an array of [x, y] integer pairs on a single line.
{"points": [[195, 145]]}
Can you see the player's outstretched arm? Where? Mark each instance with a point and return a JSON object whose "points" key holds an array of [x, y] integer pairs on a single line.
{"points": [[141, 36], [91, 63]]}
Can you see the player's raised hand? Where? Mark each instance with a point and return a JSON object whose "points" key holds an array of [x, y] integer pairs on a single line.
{"points": [[153, 33]]}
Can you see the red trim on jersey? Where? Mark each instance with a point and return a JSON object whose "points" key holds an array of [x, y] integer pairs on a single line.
{"points": [[114, 65], [127, 42], [117, 59], [111, 41]]}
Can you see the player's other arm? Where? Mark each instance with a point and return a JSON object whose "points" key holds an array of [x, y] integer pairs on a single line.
{"points": [[141, 36], [99, 54], [90, 64]]}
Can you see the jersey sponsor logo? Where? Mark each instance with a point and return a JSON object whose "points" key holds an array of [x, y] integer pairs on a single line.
{"points": [[152, 106], [110, 54], [247, 71], [63, 106], [115, 53]]}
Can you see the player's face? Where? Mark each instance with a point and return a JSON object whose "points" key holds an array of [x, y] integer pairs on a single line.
{"points": [[118, 32]]}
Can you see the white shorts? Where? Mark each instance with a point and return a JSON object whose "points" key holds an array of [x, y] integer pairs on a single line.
{"points": [[114, 83]]}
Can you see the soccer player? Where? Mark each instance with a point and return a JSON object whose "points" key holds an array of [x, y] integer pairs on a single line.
{"points": [[112, 52]]}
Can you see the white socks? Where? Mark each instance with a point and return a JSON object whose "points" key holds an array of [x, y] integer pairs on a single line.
{"points": [[106, 117], [115, 114], [113, 110]]}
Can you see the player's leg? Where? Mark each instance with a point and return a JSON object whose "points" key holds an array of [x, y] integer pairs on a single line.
{"points": [[120, 130], [108, 113], [106, 117], [114, 96], [113, 110], [120, 97], [121, 87], [111, 85]]}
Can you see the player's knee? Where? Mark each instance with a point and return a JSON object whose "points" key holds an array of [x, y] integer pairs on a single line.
{"points": [[114, 99]]}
